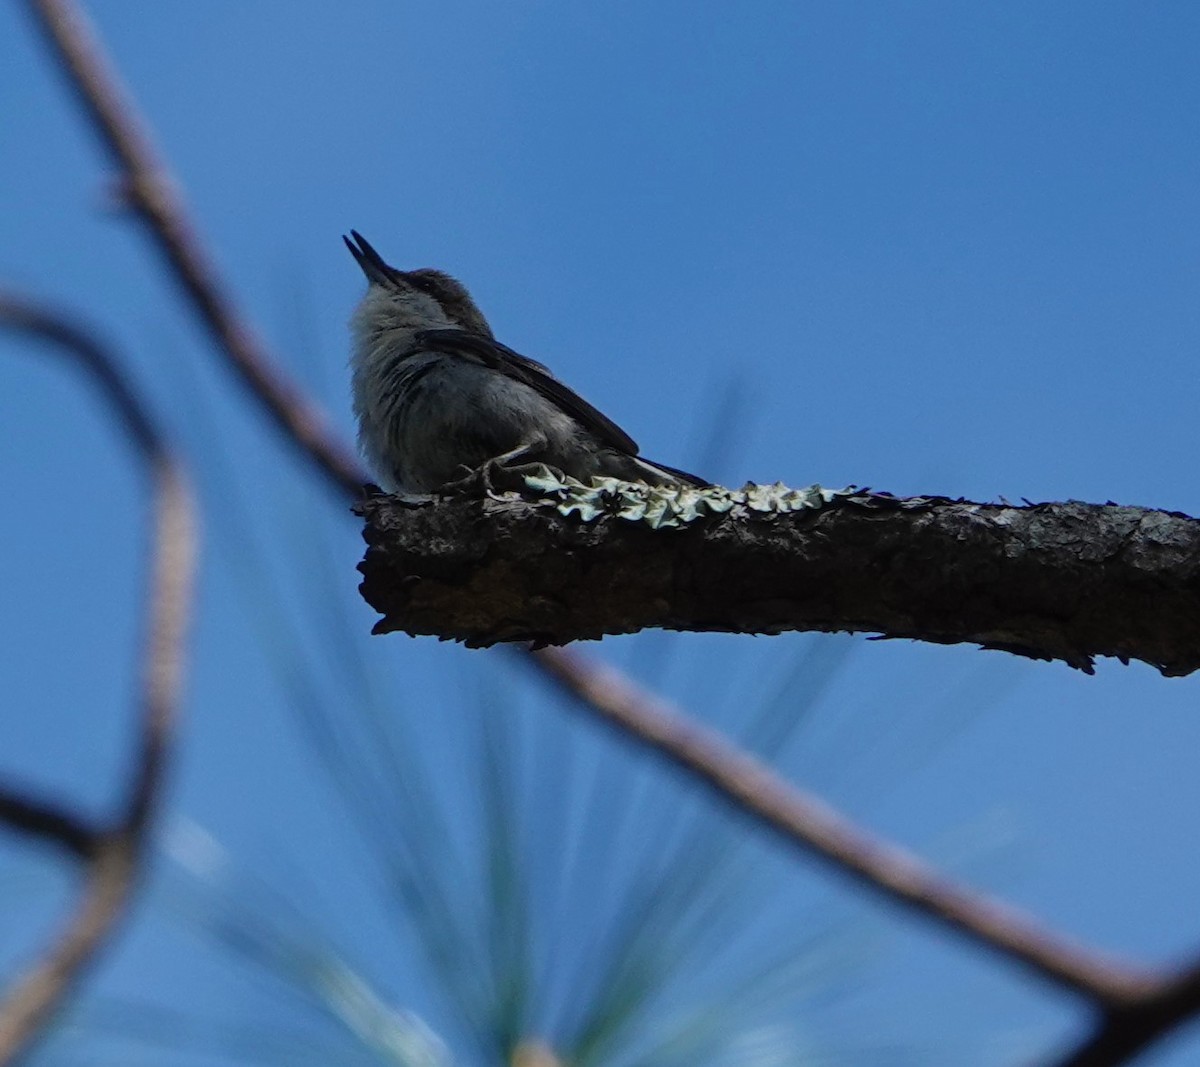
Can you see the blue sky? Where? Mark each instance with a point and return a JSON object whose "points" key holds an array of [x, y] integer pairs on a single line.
{"points": [[924, 247]]}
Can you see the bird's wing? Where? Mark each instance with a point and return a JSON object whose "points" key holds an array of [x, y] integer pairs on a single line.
{"points": [[531, 373]]}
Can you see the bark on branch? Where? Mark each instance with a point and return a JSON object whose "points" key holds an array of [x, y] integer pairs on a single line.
{"points": [[1064, 581]]}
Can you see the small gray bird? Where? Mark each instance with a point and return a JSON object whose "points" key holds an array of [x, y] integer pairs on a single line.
{"points": [[438, 397]]}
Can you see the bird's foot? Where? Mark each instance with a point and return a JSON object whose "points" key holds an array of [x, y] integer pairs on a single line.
{"points": [[495, 476], [485, 480]]}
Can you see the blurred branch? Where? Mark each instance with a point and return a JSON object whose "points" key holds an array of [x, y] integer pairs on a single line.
{"points": [[111, 854], [149, 189], [45, 819], [1052, 581], [741, 781], [805, 821], [1127, 1031]]}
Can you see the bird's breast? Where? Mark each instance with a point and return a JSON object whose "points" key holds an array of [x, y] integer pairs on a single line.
{"points": [[425, 416]]}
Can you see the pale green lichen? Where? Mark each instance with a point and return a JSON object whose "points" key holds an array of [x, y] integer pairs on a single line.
{"points": [[665, 506]]}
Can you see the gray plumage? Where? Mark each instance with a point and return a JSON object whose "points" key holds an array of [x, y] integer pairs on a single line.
{"points": [[437, 396]]}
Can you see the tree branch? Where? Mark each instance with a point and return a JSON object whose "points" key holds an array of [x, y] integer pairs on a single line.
{"points": [[1053, 581], [803, 820], [155, 198], [47, 820], [1128, 1030], [111, 855]]}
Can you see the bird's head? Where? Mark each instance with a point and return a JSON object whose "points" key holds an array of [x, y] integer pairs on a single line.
{"points": [[411, 300]]}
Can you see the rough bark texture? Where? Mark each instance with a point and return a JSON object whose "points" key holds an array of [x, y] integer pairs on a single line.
{"points": [[1064, 581]]}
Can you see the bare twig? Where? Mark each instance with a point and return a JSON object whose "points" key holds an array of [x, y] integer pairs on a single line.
{"points": [[48, 820], [1126, 1032], [804, 820], [155, 197], [111, 854], [741, 781]]}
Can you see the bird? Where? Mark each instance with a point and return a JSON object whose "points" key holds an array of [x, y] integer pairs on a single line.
{"points": [[439, 400]]}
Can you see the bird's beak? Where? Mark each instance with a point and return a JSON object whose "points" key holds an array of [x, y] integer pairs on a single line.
{"points": [[371, 262]]}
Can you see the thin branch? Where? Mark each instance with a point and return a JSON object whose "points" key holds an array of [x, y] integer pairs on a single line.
{"points": [[1126, 1032], [112, 855], [36, 994], [1054, 581], [713, 761], [803, 820], [155, 198], [48, 820]]}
